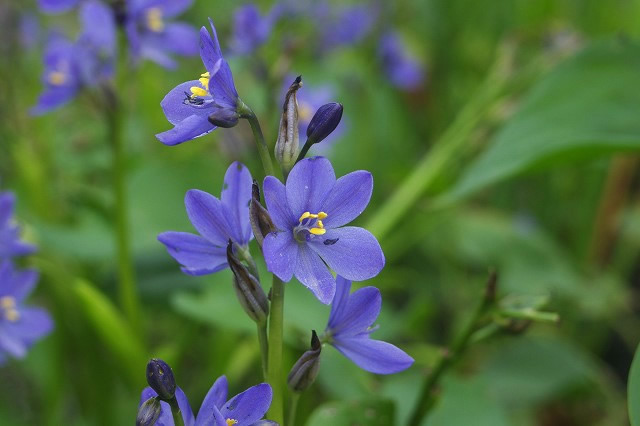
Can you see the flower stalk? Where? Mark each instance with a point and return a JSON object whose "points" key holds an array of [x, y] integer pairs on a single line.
{"points": [[246, 113], [274, 372]]}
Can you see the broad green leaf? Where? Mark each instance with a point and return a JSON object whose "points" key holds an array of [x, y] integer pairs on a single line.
{"points": [[584, 108], [378, 412], [633, 398]]}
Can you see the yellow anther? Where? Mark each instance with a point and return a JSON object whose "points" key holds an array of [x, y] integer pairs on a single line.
{"points": [[317, 231], [319, 223], [198, 91], [154, 19], [204, 81], [205, 75], [322, 215], [231, 422], [12, 315], [7, 302], [304, 216], [57, 78]]}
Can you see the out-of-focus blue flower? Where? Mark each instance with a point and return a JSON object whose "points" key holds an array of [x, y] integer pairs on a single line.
{"points": [[20, 325], [152, 37], [251, 29], [56, 6], [217, 221], [189, 105], [244, 409], [10, 243], [310, 212], [29, 30], [403, 69], [350, 326], [348, 25]]}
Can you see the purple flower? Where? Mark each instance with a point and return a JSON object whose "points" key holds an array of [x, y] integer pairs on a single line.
{"points": [[189, 105], [401, 67], [349, 327], [310, 212], [217, 221], [56, 6], [20, 326], [10, 243], [348, 25], [152, 37], [244, 409], [29, 30], [251, 29]]}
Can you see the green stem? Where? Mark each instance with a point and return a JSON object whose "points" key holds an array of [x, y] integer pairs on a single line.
{"points": [[530, 314], [274, 372], [263, 150], [264, 348], [293, 408], [428, 393], [126, 276], [176, 413], [307, 145]]}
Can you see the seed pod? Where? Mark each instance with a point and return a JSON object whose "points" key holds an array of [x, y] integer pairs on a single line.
{"points": [[261, 222], [286, 150], [160, 378], [149, 412], [250, 293], [305, 370]]}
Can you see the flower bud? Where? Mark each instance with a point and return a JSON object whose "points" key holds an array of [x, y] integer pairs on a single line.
{"points": [[160, 378], [224, 117], [305, 370], [261, 222], [286, 150], [324, 121], [248, 289], [149, 412]]}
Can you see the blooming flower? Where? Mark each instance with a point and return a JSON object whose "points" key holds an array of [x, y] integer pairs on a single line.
{"points": [[152, 37], [310, 212], [217, 221], [244, 409], [10, 244], [251, 29], [348, 25], [189, 105], [349, 327], [56, 6], [403, 69], [20, 326]]}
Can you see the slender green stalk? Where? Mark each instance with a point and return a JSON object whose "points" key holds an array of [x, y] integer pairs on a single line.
{"points": [[126, 276], [307, 145], [428, 393], [263, 150], [293, 408], [176, 413], [274, 372], [264, 349]]}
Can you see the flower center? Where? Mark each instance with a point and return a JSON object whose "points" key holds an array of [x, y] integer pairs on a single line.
{"points": [[310, 223], [8, 308], [57, 78], [231, 422], [197, 93], [154, 19]]}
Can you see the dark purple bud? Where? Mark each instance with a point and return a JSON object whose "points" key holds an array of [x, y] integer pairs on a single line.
{"points": [[286, 150], [305, 370], [149, 412], [261, 222], [160, 378], [248, 289], [325, 121], [225, 118]]}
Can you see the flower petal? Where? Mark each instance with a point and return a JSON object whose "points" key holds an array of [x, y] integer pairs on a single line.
{"points": [[281, 253], [308, 185], [210, 51], [197, 255], [181, 38], [348, 199], [235, 196], [190, 128], [340, 301], [248, 406], [374, 356], [52, 98], [17, 284], [32, 324], [351, 252], [213, 401], [174, 107], [313, 274], [208, 216], [275, 197], [361, 311]]}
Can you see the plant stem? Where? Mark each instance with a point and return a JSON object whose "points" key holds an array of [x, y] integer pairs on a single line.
{"points": [[274, 372], [126, 276], [263, 150], [293, 407], [307, 145], [176, 413], [428, 395], [264, 348]]}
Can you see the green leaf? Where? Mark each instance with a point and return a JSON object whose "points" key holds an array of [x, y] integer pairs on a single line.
{"points": [[376, 412], [633, 390], [585, 108]]}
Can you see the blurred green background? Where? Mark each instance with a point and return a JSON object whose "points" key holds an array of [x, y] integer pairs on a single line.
{"points": [[521, 145]]}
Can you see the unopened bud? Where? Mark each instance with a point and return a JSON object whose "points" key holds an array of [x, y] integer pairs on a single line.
{"points": [[305, 370], [160, 378], [286, 150], [324, 122], [224, 117], [248, 289], [261, 222], [149, 412]]}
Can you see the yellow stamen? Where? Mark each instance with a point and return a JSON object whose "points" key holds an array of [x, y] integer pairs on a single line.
{"points": [[7, 302], [322, 215], [319, 223], [154, 19], [12, 315], [198, 91], [57, 78], [304, 216], [317, 231], [231, 422]]}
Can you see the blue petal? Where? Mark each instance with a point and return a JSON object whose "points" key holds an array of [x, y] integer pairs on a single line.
{"points": [[361, 310], [340, 301], [17, 284], [213, 402], [235, 196], [313, 274], [275, 197], [32, 324], [52, 98], [208, 216], [281, 254], [189, 128], [374, 356], [248, 406], [197, 255], [348, 198], [175, 108], [308, 185]]}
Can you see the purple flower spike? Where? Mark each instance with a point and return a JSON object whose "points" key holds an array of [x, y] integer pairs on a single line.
{"points": [[251, 29], [20, 326], [189, 105], [10, 244], [310, 212], [349, 327], [217, 221], [152, 37], [404, 70]]}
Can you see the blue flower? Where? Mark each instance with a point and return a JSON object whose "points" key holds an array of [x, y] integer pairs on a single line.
{"points": [[189, 105], [244, 409], [403, 69], [152, 37], [56, 6], [251, 29], [217, 221], [310, 213], [350, 325], [348, 25], [20, 325], [10, 243]]}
